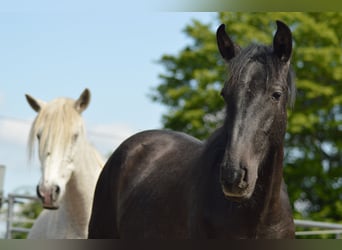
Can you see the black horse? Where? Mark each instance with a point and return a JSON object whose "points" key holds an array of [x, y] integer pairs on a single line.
{"points": [[164, 184]]}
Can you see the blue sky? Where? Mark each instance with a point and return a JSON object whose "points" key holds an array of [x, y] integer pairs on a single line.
{"points": [[51, 49]]}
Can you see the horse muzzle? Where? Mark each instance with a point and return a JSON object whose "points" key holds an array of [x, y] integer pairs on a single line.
{"points": [[234, 183], [49, 196]]}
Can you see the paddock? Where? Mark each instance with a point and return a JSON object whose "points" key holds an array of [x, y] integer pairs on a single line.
{"points": [[10, 215]]}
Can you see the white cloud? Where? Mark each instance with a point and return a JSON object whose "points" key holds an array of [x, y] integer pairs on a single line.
{"points": [[106, 137], [14, 131]]}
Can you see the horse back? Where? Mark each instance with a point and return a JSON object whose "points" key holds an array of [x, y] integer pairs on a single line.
{"points": [[149, 173]]}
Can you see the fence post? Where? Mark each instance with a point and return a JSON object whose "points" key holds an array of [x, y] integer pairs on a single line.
{"points": [[2, 177], [10, 201]]}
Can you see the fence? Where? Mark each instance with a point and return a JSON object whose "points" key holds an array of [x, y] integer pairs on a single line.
{"points": [[318, 228], [12, 200]]}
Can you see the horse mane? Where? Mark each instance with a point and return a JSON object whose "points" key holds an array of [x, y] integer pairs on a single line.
{"points": [[214, 147], [55, 118], [264, 55]]}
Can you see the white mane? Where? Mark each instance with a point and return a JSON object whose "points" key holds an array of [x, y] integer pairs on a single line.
{"points": [[54, 124]]}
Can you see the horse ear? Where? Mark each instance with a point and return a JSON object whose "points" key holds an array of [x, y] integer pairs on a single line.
{"points": [[35, 104], [225, 45], [282, 42], [82, 102]]}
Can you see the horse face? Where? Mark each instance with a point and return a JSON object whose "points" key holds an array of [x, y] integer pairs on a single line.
{"points": [[57, 165], [256, 97], [59, 130]]}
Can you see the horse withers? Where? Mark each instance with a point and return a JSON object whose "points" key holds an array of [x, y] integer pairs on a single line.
{"points": [[165, 184], [70, 167]]}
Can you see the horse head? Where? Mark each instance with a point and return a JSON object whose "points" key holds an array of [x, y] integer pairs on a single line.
{"points": [[259, 87], [59, 130]]}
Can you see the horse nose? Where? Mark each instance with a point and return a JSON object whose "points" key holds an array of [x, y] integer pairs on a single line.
{"points": [[49, 195], [235, 177]]}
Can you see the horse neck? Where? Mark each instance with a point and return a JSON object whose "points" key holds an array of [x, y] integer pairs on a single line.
{"points": [[275, 213], [81, 186], [266, 209], [271, 177]]}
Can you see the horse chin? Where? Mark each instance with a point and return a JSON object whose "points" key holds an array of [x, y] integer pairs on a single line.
{"points": [[50, 207], [49, 204], [236, 196]]}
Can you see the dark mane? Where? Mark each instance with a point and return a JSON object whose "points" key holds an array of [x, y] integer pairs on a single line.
{"points": [[291, 87], [215, 145]]}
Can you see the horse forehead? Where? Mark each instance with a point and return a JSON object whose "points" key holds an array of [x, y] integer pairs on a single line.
{"points": [[253, 70], [60, 105], [57, 122], [57, 109], [260, 73]]}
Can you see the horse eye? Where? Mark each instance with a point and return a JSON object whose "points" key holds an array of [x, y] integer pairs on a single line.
{"points": [[276, 96], [38, 137], [222, 93], [74, 137]]}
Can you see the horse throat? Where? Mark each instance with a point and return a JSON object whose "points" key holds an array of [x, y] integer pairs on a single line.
{"points": [[271, 177], [80, 190], [272, 214]]}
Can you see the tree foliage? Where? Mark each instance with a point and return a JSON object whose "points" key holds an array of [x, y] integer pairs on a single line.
{"points": [[191, 82]]}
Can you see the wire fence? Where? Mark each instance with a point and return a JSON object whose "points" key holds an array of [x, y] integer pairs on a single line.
{"points": [[303, 227]]}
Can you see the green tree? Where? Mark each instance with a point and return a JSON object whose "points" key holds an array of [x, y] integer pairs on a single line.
{"points": [[192, 80], [30, 211]]}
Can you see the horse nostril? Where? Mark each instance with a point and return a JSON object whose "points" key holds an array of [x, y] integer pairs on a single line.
{"points": [[230, 177], [38, 192], [55, 192], [57, 189], [244, 174], [235, 177], [244, 178]]}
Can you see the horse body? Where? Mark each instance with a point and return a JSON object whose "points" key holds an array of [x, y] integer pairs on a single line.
{"points": [[164, 184], [145, 158], [177, 208], [70, 168]]}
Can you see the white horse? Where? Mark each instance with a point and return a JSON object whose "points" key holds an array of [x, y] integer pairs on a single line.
{"points": [[70, 167]]}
